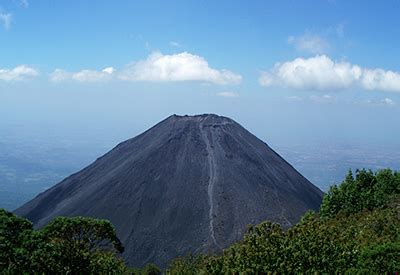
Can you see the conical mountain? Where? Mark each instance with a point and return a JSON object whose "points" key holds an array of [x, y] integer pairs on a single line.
{"points": [[188, 184]]}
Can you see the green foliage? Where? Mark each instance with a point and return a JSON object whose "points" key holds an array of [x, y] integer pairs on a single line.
{"points": [[356, 232], [80, 233], [254, 254], [67, 245], [106, 263], [14, 231], [149, 269], [381, 257], [79, 244], [366, 191], [186, 265]]}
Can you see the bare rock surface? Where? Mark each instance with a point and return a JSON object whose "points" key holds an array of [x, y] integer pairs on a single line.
{"points": [[188, 184]]}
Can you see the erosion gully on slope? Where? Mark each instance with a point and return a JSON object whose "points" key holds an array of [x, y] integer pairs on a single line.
{"points": [[211, 180]]}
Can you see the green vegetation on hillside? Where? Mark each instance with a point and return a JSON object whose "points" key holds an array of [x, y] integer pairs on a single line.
{"points": [[75, 245], [356, 231], [64, 246], [366, 191]]}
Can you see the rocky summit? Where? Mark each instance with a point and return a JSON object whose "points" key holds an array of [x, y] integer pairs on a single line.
{"points": [[188, 184]]}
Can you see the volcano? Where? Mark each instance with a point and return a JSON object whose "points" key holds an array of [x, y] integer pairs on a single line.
{"points": [[189, 184]]}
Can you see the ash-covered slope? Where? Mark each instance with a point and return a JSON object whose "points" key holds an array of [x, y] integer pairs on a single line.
{"points": [[189, 184]]}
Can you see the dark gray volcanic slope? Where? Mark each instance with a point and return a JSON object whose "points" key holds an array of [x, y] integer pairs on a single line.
{"points": [[189, 184]]}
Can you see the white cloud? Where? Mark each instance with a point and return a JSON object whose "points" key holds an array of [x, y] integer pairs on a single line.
{"points": [[228, 94], [108, 70], [316, 73], [6, 19], [156, 68], [310, 43], [93, 76], [381, 102], [83, 76], [378, 79], [387, 101], [60, 75], [18, 73], [174, 44], [177, 67], [320, 73]]}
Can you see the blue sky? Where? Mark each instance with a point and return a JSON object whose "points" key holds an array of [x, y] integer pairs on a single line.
{"points": [[290, 71]]}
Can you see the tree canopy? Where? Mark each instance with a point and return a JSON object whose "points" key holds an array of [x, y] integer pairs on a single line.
{"points": [[66, 245], [364, 191]]}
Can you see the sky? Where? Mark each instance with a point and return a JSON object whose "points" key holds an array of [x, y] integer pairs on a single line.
{"points": [[292, 72]]}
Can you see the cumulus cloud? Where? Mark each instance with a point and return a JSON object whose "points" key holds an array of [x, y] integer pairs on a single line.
{"points": [[320, 73], [5, 19], [378, 79], [156, 68], [18, 73], [316, 73], [228, 94], [83, 76], [177, 67], [310, 43]]}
